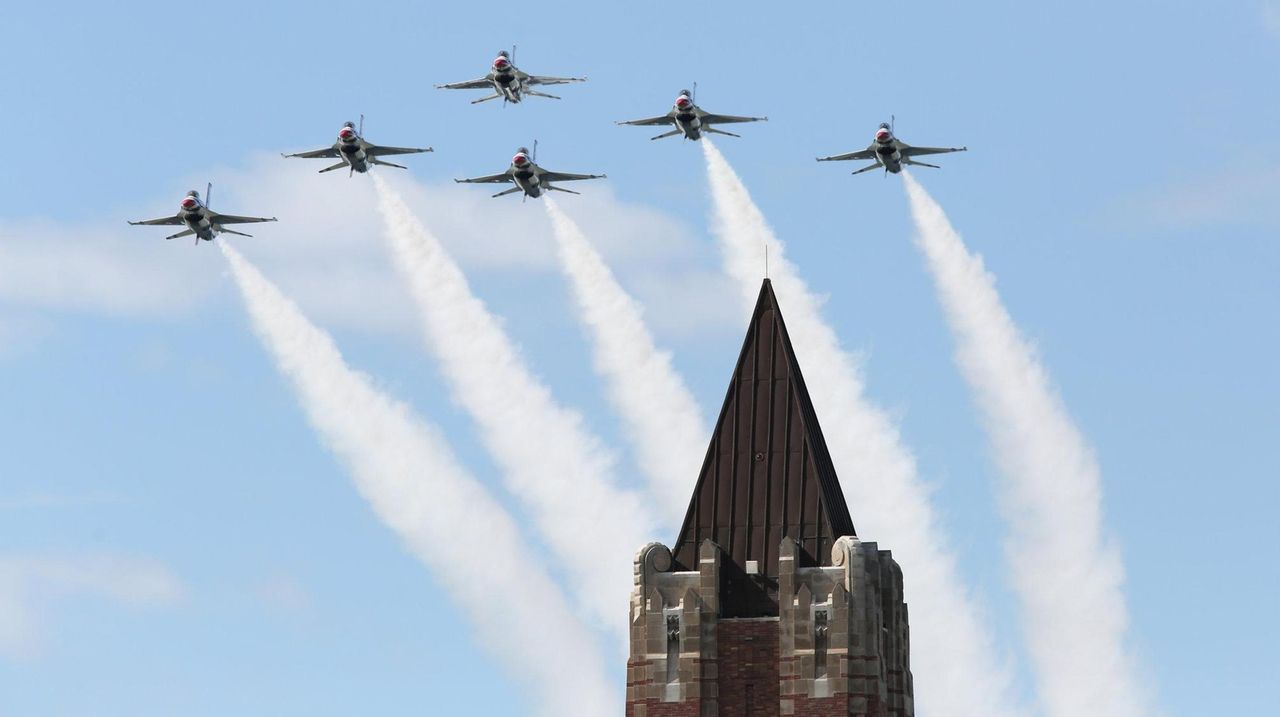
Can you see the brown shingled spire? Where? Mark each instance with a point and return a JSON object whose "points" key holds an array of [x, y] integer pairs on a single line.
{"points": [[767, 473]]}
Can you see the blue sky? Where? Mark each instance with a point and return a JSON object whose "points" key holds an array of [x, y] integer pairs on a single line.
{"points": [[1122, 183]]}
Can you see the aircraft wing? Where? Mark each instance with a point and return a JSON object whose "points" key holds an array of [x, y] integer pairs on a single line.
{"points": [[867, 153], [480, 84], [566, 177], [216, 218], [162, 221], [663, 119], [374, 150], [909, 151], [546, 80], [489, 179], [327, 152], [730, 119]]}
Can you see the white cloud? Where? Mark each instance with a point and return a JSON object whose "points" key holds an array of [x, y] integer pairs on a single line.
{"points": [[1235, 197], [326, 251], [653, 253], [1271, 16], [283, 593], [47, 500], [95, 268], [30, 583]]}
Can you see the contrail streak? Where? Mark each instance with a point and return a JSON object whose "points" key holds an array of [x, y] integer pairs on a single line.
{"points": [[1067, 573], [415, 485], [954, 661], [550, 460], [662, 419]]}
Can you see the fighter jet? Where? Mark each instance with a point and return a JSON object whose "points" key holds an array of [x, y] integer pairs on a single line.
{"points": [[891, 153], [509, 82], [355, 152], [201, 221], [691, 120], [528, 176]]}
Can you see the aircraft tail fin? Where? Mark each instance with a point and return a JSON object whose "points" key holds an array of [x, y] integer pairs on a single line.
{"points": [[713, 130], [914, 163], [535, 93], [181, 234], [867, 168], [375, 160], [208, 192], [504, 192], [339, 165], [221, 230], [552, 188], [493, 96], [672, 133]]}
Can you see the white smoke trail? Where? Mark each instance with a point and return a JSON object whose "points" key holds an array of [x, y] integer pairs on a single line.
{"points": [[662, 418], [1067, 574], [410, 477], [549, 458], [953, 656]]}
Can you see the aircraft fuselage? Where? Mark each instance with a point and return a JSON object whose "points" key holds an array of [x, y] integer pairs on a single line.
{"points": [[690, 124], [506, 83], [354, 155], [198, 221], [528, 181], [887, 154]]}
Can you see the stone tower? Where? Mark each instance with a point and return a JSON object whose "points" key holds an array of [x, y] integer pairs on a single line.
{"points": [[768, 604]]}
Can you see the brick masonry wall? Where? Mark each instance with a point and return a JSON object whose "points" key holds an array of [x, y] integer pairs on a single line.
{"points": [[638, 684], [748, 668]]}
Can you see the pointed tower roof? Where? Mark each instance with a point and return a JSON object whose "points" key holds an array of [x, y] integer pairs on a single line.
{"points": [[767, 473]]}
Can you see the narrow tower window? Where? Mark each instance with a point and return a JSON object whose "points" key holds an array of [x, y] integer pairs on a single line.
{"points": [[819, 644], [673, 648]]}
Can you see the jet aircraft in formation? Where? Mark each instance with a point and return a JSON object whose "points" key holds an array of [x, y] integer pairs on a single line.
{"points": [[509, 82], [528, 177], [891, 153], [691, 120], [201, 221], [355, 152]]}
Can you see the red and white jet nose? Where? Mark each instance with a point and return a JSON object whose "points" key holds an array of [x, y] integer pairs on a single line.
{"points": [[346, 133], [189, 203], [882, 135], [520, 160], [683, 102], [501, 63]]}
